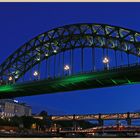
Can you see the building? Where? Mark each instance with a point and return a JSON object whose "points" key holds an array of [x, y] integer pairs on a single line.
{"points": [[10, 108]]}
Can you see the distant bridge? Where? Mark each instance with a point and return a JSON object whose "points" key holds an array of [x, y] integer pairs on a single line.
{"points": [[99, 117]]}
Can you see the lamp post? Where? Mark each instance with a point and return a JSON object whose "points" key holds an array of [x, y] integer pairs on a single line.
{"points": [[55, 51], [67, 68], [106, 63], [36, 74], [11, 79]]}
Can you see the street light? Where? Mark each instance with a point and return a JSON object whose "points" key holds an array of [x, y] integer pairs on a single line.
{"points": [[67, 68], [106, 62], [35, 73], [16, 76], [55, 51], [46, 54], [10, 78], [38, 59]]}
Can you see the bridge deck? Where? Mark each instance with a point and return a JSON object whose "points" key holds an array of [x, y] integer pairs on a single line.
{"points": [[107, 78]]}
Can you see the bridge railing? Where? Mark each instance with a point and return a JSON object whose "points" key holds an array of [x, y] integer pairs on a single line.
{"points": [[110, 69], [112, 116]]}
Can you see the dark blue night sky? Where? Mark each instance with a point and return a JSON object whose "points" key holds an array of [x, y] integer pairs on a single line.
{"points": [[19, 22]]}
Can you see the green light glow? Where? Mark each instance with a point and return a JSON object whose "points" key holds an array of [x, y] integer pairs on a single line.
{"points": [[132, 83], [80, 78], [6, 88], [75, 79], [99, 82], [129, 81], [114, 81]]}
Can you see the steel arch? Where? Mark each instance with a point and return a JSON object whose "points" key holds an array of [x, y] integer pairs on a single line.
{"points": [[69, 37]]}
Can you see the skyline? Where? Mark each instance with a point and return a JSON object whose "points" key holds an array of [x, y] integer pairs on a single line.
{"points": [[24, 21]]}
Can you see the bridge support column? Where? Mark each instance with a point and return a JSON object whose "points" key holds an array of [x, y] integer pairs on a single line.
{"points": [[128, 119], [128, 58], [72, 61], [74, 123], [59, 68], [63, 57], [48, 68], [116, 57], [93, 59], [82, 59], [100, 121], [54, 65]]}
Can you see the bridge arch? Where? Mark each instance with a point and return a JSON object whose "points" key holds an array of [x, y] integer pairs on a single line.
{"points": [[69, 37]]}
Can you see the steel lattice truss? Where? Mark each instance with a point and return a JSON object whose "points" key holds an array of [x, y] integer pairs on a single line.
{"points": [[69, 37]]}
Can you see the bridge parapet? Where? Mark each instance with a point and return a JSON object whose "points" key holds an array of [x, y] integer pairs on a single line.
{"points": [[59, 118], [135, 115]]}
